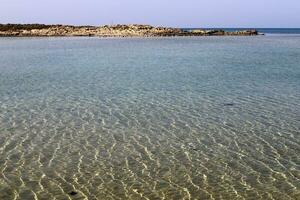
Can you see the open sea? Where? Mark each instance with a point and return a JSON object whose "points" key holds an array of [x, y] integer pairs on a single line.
{"points": [[159, 118]]}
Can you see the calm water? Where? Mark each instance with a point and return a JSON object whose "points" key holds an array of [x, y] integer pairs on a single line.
{"points": [[174, 118]]}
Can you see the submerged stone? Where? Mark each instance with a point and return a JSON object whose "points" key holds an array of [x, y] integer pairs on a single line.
{"points": [[72, 193], [228, 104]]}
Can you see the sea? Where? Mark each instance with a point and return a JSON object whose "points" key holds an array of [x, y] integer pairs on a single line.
{"points": [[151, 118]]}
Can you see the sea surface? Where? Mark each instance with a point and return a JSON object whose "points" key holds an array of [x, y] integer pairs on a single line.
{"points": [[159, 118]]}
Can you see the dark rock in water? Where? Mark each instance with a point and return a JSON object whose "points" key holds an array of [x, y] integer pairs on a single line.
{"points": [[192, 146], [228, 104], [73, 193]]}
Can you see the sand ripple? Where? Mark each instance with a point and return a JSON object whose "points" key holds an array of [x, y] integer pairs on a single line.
{"points": [[110, 130]]}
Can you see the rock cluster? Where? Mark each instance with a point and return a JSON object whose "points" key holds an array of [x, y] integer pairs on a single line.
{"points": [[222, 32], [37, 30]]}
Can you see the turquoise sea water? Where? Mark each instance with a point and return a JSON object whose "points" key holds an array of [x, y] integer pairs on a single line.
{"points": [[160, 118]]}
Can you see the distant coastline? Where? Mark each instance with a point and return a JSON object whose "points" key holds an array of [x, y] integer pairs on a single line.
{"points": [[135, 30]]}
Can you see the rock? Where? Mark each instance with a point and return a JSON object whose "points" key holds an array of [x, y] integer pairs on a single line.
{"points": [[133, 30], [228, 104], [73, 193]]}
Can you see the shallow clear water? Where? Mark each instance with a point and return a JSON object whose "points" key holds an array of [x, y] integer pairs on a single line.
{"points": [[173, 118]]}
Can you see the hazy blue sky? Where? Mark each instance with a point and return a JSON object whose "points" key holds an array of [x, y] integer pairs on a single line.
{"points": [[178, 13]]}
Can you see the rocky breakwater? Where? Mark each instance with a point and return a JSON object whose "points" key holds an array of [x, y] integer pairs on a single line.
{"points": [[203, 32], [41, 30]]}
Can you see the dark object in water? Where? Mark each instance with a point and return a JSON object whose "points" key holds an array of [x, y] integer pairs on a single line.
{"points": [[228, 104], [192, 146], [73, 193]]}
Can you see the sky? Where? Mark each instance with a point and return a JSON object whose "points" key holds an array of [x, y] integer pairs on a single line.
{"points": [[173, 13]]}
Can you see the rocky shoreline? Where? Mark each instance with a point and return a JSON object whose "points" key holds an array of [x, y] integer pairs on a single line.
{"points": [[41, 30]]}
